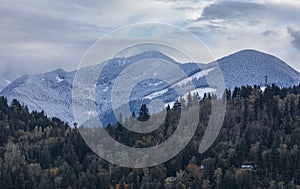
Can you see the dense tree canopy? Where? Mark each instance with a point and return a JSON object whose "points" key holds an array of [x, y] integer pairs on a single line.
{"points": [[261, 129]]}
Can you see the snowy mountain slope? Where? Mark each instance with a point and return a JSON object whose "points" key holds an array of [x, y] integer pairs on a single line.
{"points": [[160, 65], [6, 78], [249, 67], [52, 91]]}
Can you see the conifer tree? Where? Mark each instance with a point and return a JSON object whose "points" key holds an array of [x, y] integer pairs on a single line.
{"points": [[144, 113]]}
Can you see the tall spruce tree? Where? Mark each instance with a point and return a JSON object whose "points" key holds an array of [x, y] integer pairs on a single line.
{"points": [[144, 113]]}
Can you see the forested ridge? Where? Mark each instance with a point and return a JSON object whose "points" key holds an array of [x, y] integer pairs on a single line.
{"points": [[261, 129]]}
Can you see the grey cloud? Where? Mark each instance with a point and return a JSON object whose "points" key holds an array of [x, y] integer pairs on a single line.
{"points": [[18, 25], [231, 10], [251, 13], [216, 28], [268, 33], [185, 8], [205, 29], [209, 27], [231, 38], [296, 38], [35, 41]]}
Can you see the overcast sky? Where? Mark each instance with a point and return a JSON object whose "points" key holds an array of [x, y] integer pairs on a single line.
{"points": [[42, 35]]}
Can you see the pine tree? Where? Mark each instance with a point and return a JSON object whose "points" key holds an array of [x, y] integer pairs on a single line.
{"points": [[189, 100], [144, 113]]}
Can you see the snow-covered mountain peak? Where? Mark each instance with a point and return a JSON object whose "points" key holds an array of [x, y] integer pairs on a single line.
{"points": [[52, 91], [120, 60], [249, 67]]}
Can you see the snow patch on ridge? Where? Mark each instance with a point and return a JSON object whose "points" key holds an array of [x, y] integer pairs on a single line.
{"points": [[59, 79]]}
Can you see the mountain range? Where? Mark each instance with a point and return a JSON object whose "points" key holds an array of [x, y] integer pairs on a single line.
{"points": [[52, 91]]}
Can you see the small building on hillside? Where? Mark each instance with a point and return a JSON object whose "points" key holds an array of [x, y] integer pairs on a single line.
{"points": [[247, 167]]}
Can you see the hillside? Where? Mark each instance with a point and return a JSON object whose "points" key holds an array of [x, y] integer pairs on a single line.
{"points": [[261, 129]]}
